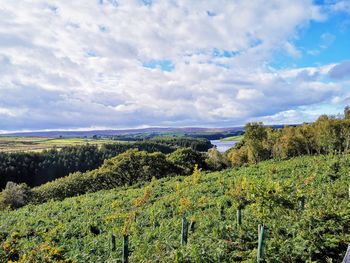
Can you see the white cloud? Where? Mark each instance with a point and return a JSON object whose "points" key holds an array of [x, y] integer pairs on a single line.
{"points": [[292, 50], [73, 64], [341, 6]]}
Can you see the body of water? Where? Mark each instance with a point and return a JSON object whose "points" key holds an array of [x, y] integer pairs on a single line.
{"points": [[223, 146]]}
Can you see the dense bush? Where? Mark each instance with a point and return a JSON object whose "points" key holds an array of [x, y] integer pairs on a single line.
{"points": [[215, 160], [127, 168], [186, 158], [15, 195]]}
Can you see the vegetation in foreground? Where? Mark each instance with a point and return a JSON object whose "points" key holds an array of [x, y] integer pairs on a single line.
{"points": [[303, 203]]}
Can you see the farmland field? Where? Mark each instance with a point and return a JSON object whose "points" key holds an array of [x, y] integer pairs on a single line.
{"points": [[13, 143], [233, 138], [303, 203]]}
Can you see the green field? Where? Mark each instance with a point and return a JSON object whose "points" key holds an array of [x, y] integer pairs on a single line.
{"points": [[271, 193], [233, 138], [12, 144]]}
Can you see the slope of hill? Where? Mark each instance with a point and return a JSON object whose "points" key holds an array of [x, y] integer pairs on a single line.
{"points": [[303, 203]]}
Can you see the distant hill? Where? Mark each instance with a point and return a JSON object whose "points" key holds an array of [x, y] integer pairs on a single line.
{"points": [[155, 131]]}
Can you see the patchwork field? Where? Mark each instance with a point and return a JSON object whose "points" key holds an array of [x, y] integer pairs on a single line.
{"points": [[13, 143]]}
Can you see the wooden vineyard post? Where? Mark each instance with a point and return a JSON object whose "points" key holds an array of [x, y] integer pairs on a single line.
{"points": [[113, 242], [125, 255], [239, 216], [261, 237], [349, 192], [184, 231]]}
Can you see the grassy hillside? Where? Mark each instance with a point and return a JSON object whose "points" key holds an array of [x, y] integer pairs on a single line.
{"points": [[233, 138], [79, 229]]}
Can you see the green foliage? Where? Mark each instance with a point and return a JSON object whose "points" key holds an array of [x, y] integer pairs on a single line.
{"points": [[127, 168], [347, 112], [185, 159], [215, 160], [326, 135], [15, 195], [196, 144], [37, 168], [79, 228]]}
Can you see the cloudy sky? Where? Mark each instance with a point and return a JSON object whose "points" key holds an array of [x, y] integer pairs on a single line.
{"points": [[134, 63]]}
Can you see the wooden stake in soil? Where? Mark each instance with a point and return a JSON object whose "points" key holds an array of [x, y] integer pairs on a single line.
{"points": [[125, 255], [261, 237], [239, 216], [184, 231]]}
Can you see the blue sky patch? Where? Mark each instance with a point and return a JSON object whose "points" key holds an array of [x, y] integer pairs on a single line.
{"points": [[112, 2], [164, 65], [224, 53], [91, 53], [147, 2], [103, 28], [210, 13], [319, 44]]}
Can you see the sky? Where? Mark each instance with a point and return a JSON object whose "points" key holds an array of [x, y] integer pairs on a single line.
{"points": [[100, 64]]}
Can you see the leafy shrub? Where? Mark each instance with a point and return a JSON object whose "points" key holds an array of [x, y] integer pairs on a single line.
{"points": [[238, 157], [215, 160], [15, 195], [185, 159]]}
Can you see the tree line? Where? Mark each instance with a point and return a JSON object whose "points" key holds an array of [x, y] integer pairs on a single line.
{"points": [[37, 168], [326, 135]]}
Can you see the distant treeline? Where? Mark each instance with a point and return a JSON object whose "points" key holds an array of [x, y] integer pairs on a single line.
{"points": [[216, 136], [197, 144], [38, 168], [196, 135], [326, 135]]}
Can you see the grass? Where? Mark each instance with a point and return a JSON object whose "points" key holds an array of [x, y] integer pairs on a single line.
{"points": [[24, 144], [233, 138], [80, 228]]}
